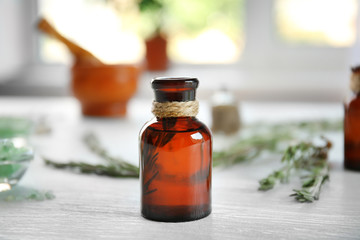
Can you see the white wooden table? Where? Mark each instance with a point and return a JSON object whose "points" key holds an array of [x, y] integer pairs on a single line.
{"points": [[93, 207]]}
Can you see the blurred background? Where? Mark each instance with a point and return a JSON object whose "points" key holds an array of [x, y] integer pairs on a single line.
{"points": [[276, 50]]}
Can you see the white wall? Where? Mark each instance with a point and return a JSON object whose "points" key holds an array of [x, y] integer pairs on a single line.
{"points": [[16, 37], [11, 37]]}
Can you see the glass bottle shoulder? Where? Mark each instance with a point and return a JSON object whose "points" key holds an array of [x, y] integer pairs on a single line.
{"points": [[176, 125], [353, 102]]}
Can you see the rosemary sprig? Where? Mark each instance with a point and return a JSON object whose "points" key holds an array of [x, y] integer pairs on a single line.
{"points": [[311, 187], [249, 148], [115, 167], [270, 140], [98, 169], [245, 149], [308, 126], [92, 142], [306, 157]]}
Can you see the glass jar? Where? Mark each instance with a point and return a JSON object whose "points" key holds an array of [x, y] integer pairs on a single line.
{"points": [[175, 155]]}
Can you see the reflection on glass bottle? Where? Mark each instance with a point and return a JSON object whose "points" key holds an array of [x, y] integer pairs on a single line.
{"points": [[352, 124], [175, 158]]}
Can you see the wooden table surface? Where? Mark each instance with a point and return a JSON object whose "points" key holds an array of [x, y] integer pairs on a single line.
{"points": [[93, 207]]}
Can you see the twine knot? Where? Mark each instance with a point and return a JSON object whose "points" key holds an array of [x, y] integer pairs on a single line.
{"points": [[175, 109]]}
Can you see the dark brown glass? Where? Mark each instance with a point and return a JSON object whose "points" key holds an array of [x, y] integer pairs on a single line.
{"points": [[352, 134], [175, 160]]}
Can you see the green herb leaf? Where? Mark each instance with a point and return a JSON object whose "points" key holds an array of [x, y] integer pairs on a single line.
{"points": [[306, 157]]}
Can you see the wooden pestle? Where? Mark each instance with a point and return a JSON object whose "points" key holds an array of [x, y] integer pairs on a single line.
{"points": [[82, 56]]}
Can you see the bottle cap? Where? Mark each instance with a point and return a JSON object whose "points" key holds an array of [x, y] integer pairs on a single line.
{"points": [[174, 89]]}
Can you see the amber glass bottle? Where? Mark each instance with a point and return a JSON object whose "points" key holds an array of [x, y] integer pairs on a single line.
{"points": [[175, 156], [352, 125]]}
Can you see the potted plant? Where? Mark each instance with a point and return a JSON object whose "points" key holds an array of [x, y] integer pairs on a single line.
{"points": [[152, 16]]}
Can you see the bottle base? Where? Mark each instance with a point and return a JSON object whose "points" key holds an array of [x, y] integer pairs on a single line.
{"points": [[175, 213], [353, 165]]}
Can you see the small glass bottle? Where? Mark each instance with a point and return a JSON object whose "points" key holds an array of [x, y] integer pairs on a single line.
{"points": [[225, 112], [175, 155], [352, 124]]}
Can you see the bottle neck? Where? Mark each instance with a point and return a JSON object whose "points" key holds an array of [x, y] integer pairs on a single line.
{"points": [[175, 95]]}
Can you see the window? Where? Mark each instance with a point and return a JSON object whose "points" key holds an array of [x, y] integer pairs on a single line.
{"points": [[329, 23], [94, 25], [202, 31], [295, 49], [207, 31]]}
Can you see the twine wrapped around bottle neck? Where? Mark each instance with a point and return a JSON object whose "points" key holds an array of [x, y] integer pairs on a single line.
{"points": [[175, 109], [355, 82]]}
